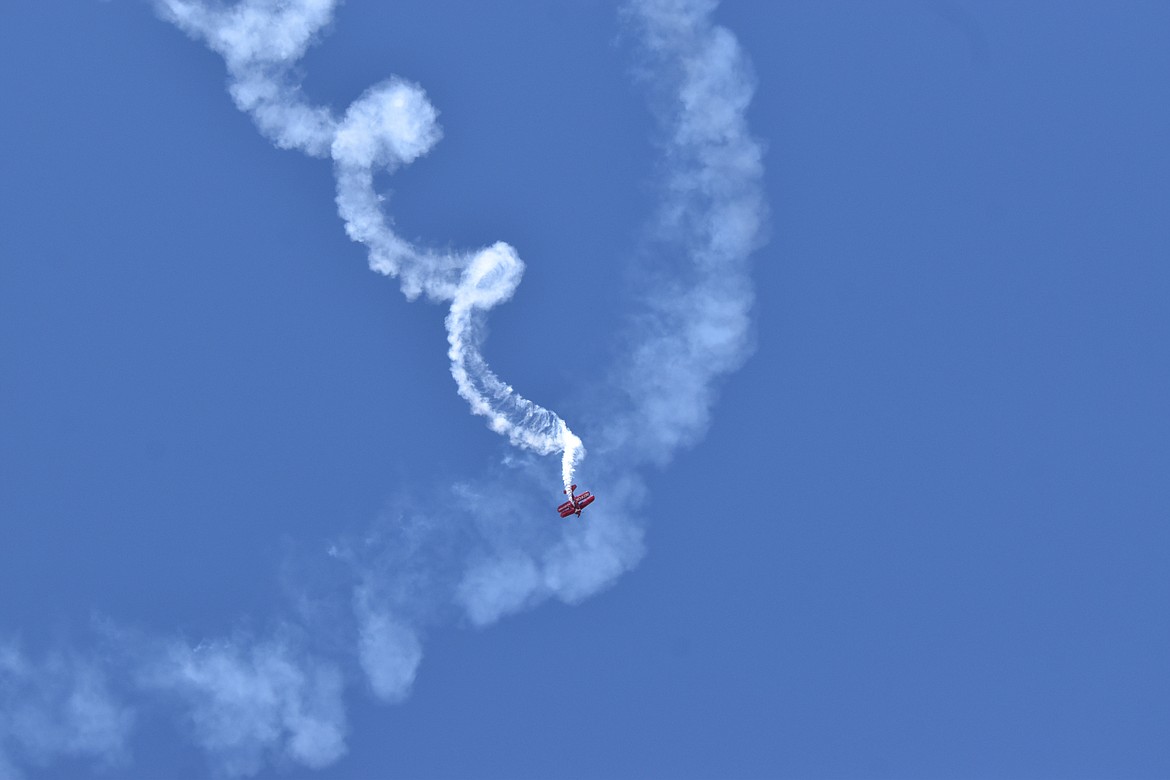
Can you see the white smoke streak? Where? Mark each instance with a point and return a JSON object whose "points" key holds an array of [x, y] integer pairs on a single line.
{"points": [[711, 221], [247, 701], [390, 125]]}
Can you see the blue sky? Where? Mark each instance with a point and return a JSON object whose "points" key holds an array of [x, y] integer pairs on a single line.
{"points": [[924, 535]]}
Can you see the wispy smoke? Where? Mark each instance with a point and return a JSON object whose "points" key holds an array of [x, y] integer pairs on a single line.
{"points": [[246, 700], [697, 326], [249, 701], [58, 707]]}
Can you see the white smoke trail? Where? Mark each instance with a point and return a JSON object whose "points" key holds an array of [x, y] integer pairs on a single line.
{"points": [[710, 222], [390, 125], [249, 700]]}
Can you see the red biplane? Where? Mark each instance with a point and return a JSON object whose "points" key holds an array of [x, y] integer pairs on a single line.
{"points": [[575, 503]]}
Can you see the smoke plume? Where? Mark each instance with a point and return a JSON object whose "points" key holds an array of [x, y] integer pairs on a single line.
{"points": [[390, 125], [250, 699]]}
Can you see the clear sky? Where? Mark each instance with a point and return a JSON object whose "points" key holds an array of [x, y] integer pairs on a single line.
{"points": [[925, 534]]}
